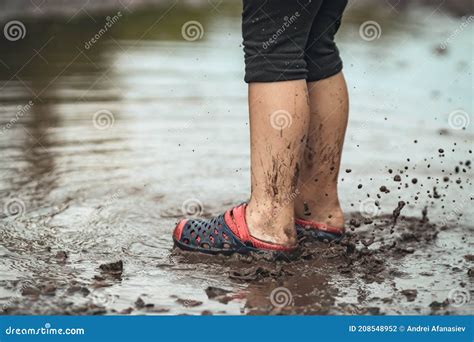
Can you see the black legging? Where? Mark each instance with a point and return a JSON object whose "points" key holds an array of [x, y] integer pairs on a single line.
{"points": [[291, 39]]}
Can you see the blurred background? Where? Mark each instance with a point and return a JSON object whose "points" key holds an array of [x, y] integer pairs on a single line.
{"points": [[117, 117], [93, 90]]}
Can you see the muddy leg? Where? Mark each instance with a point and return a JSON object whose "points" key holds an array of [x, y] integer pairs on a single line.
{"points": [[329, 104], [279, 117]]}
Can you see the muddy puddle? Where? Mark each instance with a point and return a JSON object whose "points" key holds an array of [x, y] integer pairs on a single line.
{"points": [[104, 149]]}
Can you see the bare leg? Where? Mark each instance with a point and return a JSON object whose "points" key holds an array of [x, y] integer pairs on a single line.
{"points": [[329, 104], [279, 118]]}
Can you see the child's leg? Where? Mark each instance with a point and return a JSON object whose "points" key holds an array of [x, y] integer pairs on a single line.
{"points": [[319, 201], [279, 117], [275, 35], [329, 103]]}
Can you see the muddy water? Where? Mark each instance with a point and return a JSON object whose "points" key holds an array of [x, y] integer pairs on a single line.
{"points": [[170, 138]]}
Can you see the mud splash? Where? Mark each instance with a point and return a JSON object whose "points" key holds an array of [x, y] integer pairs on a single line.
{"points": [[310, 283], [370, 258]]}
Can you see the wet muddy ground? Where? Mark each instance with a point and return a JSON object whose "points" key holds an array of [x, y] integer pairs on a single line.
{"points": [[104, 149]]}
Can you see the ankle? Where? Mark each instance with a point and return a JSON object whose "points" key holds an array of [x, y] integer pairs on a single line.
{"points": [[321, 212], [271, 223]]}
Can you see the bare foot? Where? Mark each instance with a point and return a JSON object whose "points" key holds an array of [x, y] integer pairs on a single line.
{"points": [[329, 214], [272, 223]]}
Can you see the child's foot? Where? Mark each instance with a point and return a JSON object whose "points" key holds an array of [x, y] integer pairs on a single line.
{"points": [[226, 234], [264, 217], [321, 224]]}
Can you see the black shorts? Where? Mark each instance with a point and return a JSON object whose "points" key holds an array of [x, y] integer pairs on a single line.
{"points": [[291, 39]]}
